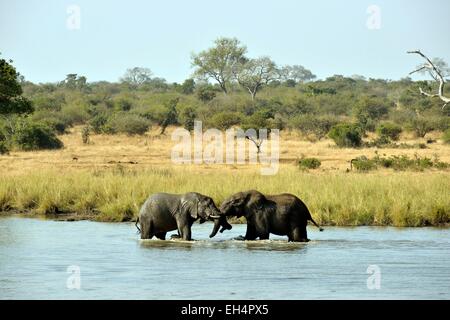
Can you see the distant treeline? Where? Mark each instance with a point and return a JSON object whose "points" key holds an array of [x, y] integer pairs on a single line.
{"points": [[229, 89]]}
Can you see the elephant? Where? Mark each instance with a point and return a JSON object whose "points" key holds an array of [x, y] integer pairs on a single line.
{"points": [[164, 212], [282, 214]]}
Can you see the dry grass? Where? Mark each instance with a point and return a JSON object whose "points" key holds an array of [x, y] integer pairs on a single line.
{"points": [[46, 182]]}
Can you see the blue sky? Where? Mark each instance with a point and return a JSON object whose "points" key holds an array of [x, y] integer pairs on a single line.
{"points": [[328, 37]]}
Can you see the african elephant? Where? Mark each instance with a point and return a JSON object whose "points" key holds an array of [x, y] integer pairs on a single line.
{"points": [[164, 212], [282, 214]]}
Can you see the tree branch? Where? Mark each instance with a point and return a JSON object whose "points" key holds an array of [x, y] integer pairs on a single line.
{"points": [[439, 78]]}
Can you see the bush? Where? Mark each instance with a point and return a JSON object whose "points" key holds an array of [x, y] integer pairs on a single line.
{"points": [[399, 163], [187, 117], [346, 135], [3, 148], [446, 136], [225, 120], [363, 164], [309, 163], [98, 122], [75, 114], [34, 136], [206, 93], [130, 124], [317, 125], [124, 104], [421, 126], [55, 120], [389, 130]]}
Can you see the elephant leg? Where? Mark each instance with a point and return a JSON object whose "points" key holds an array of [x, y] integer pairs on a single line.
{"points": [[251, 232], [184, 229], [186, 233], [147, 229], [161, 235], [299, 234], [264, 236]]}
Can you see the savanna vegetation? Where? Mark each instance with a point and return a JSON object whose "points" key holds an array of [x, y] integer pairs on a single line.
{"points": [[358, 151]]}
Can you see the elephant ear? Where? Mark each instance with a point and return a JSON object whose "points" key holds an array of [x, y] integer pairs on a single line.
{"points": [[194, 210], [256, 201], [190, 207]]}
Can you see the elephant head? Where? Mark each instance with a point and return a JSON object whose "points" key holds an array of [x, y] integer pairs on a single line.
{"points": [[243, 203], [203, 207]]}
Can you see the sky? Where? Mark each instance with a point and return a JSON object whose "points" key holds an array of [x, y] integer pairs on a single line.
{"points": [[100, 39]]}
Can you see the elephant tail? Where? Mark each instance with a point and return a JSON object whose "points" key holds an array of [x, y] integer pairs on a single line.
{"points": [[136, 224], [315, 223]]}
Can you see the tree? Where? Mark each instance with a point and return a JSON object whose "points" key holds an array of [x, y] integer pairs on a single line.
{"points": [[217, 62], [436, 73], [258, 121], [137, 76], [11, 101], [171, 117], [73, 81], [206, 93], [253, 74], [346, 135], [296, 73], [188, 86], [187, 118]]}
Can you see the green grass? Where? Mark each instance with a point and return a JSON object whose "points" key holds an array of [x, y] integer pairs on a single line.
{"points": [[400, 199]]}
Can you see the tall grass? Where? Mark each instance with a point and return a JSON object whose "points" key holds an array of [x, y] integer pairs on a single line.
{"points": [[400, 199]]}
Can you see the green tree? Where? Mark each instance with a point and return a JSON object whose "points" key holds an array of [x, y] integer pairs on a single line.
{"points": [[346, 135], [217, 62], [11, 99], [137, 76], [296, 73], [225, 120], [254, 74], [206, 93], [188, 86], [369, 110], [171, 117], [73, 81], [187, 118]]}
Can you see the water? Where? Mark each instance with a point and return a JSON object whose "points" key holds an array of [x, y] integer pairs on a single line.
{"points": [[115, 264]]}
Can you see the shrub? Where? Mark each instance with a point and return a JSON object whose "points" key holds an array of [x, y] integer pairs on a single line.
{"points": [[399, 163], [389, 130], [421, 126], [363, 164], [346, 135], [75, 114], [446, 136], [187, 118], [225, 120], [206, 93], [98, 122], [34, 136], [130, 124], [3, 147], [124, 104], [317, 125], [309, 163]]}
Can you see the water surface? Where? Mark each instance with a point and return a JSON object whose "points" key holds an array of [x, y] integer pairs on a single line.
{"points": [[414, 263]]}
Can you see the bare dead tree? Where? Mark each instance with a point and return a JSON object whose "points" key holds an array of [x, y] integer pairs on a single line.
{"points": [[257, 142], [437, 76]]}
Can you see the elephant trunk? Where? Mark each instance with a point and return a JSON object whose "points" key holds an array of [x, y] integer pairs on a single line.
{"points": [[220, 222]]}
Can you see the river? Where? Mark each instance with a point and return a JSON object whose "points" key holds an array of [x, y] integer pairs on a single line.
{"points": [[44, 259]]}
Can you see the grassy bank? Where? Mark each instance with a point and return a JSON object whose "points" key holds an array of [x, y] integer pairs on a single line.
{"points": [[116, 193]]}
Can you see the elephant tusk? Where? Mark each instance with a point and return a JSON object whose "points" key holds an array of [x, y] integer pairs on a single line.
{"points": [[214, 216]]}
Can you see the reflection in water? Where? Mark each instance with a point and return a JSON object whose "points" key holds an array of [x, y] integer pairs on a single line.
{"points": [[115, 264], [269, 245]]}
